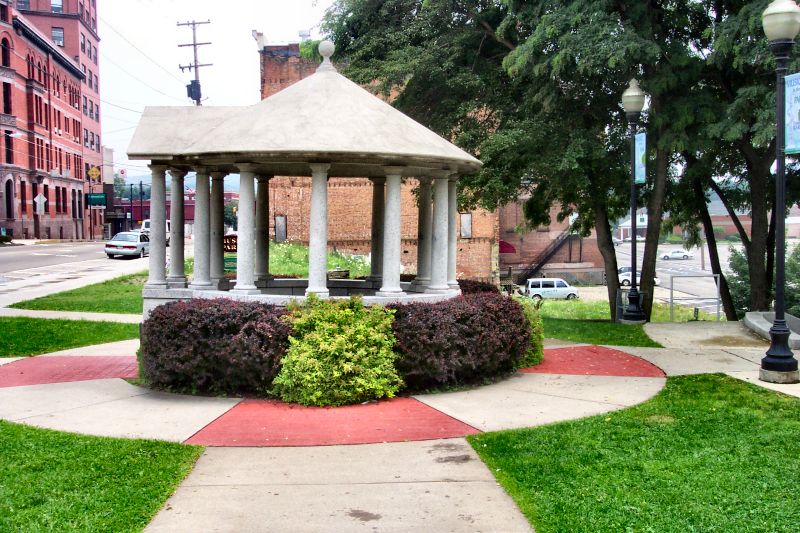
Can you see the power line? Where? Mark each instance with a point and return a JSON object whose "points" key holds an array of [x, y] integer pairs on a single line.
{"points": [[141, 51], [138, 79]]}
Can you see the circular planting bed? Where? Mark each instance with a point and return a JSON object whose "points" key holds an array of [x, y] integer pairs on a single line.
{"points": [[330, 353]]}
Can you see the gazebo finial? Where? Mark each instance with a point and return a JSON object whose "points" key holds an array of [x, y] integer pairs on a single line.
{"points": [[326, 49]]}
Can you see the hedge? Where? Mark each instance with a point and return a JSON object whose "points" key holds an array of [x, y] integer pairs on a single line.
{"points": [[215, 346], [459, 341]]}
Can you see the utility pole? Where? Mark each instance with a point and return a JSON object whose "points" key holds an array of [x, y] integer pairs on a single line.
{"points": [[193, 89], [141, 202], [130, 197]]}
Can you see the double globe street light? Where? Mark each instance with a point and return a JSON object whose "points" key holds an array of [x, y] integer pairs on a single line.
{"points": [[781, 21], [633, 103]]}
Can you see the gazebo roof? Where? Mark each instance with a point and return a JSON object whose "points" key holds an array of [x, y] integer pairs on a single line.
{"points": [[324, 118]]}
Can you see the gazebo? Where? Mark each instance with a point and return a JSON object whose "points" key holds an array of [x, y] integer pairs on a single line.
{"points": [[322, 126]]}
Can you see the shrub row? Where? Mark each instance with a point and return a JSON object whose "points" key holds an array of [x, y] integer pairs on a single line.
{"points": [[471, 286], [335, 352]]}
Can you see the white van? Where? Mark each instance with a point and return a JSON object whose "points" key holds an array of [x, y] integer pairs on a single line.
{"points": [[146, 228], [556, 288]]}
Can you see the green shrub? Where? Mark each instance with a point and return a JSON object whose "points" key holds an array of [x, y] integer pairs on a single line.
{"points": [[339, 353], [5, 239], [535, 352], [739, 282], [734, 237]]}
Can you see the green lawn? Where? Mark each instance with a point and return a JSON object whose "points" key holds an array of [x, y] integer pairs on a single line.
{"points": [[119, 295], [709, 453], [31, 336], [53, 481], [124, 294], [587, 321]]}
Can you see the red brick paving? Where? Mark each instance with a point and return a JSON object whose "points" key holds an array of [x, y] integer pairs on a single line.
{"points": [[594, 361], [273, 423], [59, 369]]}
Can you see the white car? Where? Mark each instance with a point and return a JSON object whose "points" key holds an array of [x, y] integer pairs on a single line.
{"points": [[130, 243], [554, 288], [625, 279], [677, 254]]}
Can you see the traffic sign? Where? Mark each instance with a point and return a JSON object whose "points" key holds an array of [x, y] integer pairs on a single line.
{"points": [[39, 200], [123, 173], [96, 199], [94, 173]]}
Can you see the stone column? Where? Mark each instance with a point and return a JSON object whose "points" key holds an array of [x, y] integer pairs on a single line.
{"points": [[376, 244], [177, 275], [157, 277], [202, 242], [392, 234], [438, 283], [262, 232], [318, 232], [452, 240], [217, 231], [246, 223], [424, 236]]}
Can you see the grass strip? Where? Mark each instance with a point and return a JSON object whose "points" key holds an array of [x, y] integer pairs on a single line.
{"points": [[54, 481], [31, 336], [118, 295], [709, 453]]}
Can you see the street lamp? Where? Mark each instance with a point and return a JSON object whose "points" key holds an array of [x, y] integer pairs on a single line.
{"points": [[781, 21], [632, 103]]}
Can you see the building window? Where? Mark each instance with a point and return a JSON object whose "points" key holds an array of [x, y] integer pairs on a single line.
{"points": [[9, 199], [280, 228], [466, 225], [57, 6], [58, 35], [9, 147], [74, 205], [58, 199], [23, 199], [46, 193], [6, 52], [84, 106], [83, 68], [6, 98], [4, 13], [86, 138], [91, 84], [23, 4], [94, 55], [64, 199]]}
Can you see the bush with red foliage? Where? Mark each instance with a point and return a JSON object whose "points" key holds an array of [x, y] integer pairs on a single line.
{"points": [[460, 341], [213, 346], [471, 286]]}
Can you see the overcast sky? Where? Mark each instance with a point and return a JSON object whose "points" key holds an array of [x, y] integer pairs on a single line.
{"points": [[131, 79]]}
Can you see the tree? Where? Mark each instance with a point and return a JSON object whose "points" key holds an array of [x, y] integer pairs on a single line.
{"points": [[229, 214]]}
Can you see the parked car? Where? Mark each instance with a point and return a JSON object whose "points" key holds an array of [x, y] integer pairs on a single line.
{"points": [[625, 279], [616, 240], [146, 228], [555, 288], [677, 254], [130, 243]]}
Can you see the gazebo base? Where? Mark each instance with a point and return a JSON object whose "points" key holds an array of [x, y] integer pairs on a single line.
{"points": [[282, 291]]}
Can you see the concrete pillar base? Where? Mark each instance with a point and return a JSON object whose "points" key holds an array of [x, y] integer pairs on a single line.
{"points": [[318, 293], [437, 290], [632, 322], [420, 284], [390, 294], [176, 282], [775, 376], [201, 286], [245, 290], [454, 286], [159, 286], [263, 282], [221, 284]]}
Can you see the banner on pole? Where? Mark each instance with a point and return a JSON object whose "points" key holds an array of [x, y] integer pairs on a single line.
{"points": [[640, 158], [792, 114]]}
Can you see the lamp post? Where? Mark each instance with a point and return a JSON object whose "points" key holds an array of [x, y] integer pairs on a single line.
{"points": [[781, 21], [632, 103]]}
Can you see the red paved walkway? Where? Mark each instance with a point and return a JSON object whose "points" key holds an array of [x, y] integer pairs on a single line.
{"points": [[59, 369], [273, 423], [594, 361]]}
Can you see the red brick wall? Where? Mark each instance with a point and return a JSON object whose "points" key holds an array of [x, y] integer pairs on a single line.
{"points": [[281, 66], [529, 244]]}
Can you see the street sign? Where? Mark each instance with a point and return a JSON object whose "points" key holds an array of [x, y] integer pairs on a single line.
{"points": [[123, 173], [96, 199], [641, 158], [94, 173], [39, 201]]}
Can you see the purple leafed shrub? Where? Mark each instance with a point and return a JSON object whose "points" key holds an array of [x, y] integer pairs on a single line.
{"points": [[459, 341], [213, 346], [471, 286]]}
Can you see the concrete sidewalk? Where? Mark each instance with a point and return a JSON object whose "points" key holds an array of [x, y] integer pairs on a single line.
{"points": [[72, 315]]}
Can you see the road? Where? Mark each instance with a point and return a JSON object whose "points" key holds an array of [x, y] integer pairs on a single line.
{"points": [[41, 255]]}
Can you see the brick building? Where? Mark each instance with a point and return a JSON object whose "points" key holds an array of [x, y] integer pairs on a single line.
{"points": [[41, 123], [349, 199], [72, 26]]}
